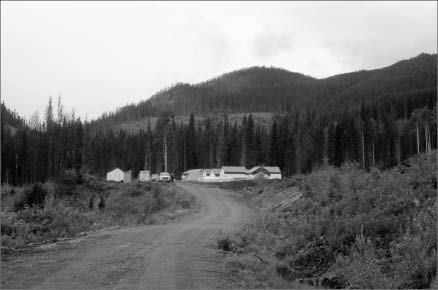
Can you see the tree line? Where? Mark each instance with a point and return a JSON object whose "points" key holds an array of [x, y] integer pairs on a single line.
{"points": [[381, 133]]}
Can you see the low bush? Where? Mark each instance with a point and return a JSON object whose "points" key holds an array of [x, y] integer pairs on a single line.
{"points": [[352, 228], [42, 212], [38, 194], [33, 224], [225, 244], [128, 205]]}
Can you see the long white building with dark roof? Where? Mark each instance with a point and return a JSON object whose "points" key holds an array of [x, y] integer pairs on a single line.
{"points": [[231, 173], [265, 172]]}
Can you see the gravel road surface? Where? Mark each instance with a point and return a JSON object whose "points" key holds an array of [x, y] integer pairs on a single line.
{"points": [[180, 254]]}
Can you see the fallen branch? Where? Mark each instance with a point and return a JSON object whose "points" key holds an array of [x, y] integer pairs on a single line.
{"points": [[260, 258]]}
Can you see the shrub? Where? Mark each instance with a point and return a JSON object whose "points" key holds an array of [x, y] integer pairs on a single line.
{"points": [[30, 196], [321, 234], [314, 258], [127, 206], [414, 261], [225, 244], [34, 224], [50, 189], [9, 195], [361, 269], [45, 212]]}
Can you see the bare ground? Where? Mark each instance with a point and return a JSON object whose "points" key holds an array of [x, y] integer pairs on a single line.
{"points": [[181, 254]]}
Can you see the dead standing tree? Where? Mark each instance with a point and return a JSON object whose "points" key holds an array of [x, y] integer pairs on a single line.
{"points": [[162, 129], [422, 117]]}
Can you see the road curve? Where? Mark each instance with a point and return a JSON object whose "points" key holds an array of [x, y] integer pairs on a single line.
{"points": [[174, 255]]}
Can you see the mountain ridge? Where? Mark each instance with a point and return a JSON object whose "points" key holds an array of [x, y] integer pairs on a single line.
{"points": [[277, 90]]}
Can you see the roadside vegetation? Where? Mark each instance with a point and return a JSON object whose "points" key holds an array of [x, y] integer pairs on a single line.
{"points": [[341, 228], [73, 204]]}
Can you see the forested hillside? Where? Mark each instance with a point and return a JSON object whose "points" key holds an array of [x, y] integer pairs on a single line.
{"points": [[261, 89], [381, 118]]}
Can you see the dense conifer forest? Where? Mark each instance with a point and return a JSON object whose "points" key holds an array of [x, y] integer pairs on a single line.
{"points": [[374, 118], [262, 89]]}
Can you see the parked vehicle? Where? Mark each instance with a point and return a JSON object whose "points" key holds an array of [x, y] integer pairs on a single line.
{"points": [[165, 177], [155, 177]]}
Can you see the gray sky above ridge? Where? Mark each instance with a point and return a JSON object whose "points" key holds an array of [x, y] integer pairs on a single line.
{"points": [[103, 55]]}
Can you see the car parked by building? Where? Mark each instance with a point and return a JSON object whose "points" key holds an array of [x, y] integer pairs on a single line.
{"points": [[165, 177]]}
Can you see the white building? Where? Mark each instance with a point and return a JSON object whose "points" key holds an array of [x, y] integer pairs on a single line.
{"points": [[192, 175], [119, 175], [229, 173], [144, 175], [265, 172], [211, 175], [115, 175], [216, 172]]}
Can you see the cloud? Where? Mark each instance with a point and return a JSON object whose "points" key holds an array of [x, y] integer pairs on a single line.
{"points": [[123, 52], [379, 35], [268, 43]]}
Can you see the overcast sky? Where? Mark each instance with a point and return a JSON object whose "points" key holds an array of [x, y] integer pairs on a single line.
{"points": [[103, 55]]}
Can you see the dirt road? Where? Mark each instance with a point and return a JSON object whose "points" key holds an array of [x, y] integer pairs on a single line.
{"points": [[180, 254]]}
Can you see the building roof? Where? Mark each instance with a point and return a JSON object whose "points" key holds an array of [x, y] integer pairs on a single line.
{"points": [[192, 174], [235, 169], [192, 171], [270, 169], [253, 169], [121, 169]]}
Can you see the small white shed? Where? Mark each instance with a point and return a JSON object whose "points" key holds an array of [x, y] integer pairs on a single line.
{"points": [[115, 175], [144, 175]]}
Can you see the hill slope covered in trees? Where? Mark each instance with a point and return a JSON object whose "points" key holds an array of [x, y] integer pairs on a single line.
{"points": [[262, 89]]}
